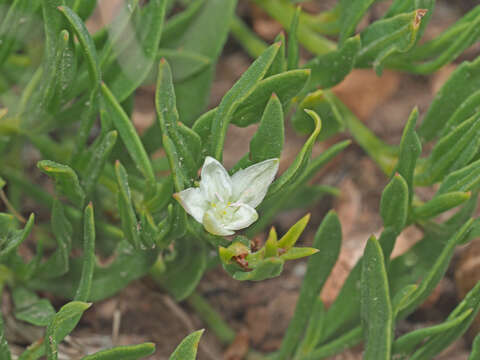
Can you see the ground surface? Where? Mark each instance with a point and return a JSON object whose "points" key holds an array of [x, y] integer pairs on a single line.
{"points": [[260, 311]]}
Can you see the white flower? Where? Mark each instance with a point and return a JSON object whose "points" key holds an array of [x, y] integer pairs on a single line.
{"points": [[224, 204]]}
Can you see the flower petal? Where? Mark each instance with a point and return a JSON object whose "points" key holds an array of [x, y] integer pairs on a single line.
{"points": [[214, 225], [243, 216], [193, 201], [215, 181], [250, 185]]}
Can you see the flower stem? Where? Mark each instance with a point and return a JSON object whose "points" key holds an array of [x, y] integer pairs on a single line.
{"points": [[211, 318], [252, 44]]}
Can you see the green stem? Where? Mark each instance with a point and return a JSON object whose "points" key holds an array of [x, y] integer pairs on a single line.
{"points": [[283, 12], [212, 318], [252, 44], [384, 155], [351, 338]]}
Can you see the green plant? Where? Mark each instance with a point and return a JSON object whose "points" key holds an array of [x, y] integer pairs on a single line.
{"points": [[74, 107]]}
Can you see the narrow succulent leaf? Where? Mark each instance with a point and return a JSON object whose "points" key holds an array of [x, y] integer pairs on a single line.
{"points": [[410, 150], [440, 204], [350, 15], [203, 36], [9, 27], [183, 145], [179, 23], [465, 111], [279, 64], [66, 180], [267, 143], [61, 325], [187, 350], [328, 240], [58, 263], [13, 238], [31, 309], [126, 208], [86, 42], [376, 308], [185, 64], [324, 104], [292, 46], [394, 203], [439, 342], [460, 85], [285, 85], [139, 60], [436, 272], [300, 163], [465, 179], [127, 133], [407, 343], [66, 67], [475, 354], [89, 259], [402, 297], [97, 161], [271, 244], [4, 349], [292, 235], [452, 152], [388, 37], [313, 332], [84, 8], [242, 88], [331, 68], [131, 352]]}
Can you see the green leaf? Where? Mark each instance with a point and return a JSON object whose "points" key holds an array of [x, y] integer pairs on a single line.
{"points": [[4, 349], [279, 64], [137, 61], [86, 43], [131, 352], [465, 111], [323, 102], [267, 143], [232, 99], [66, 180], [300, 163], [285, 85], [31, 309], [89, 259], [388, 37], [407, 343], [312, 336], [292, 46], [475, 354], [456, 91], [331, 68], [127, 133], [125, 206], [61, 325], [187, 350], [9, 27], [185, 64], [97, 159], [452, 152], [185, 270], [394, 204], [376, 308], [12, 239], [440, 204], [328, 240], [84, 8], [201, 35], [183, 145], [58, 263], [351, 12], [436, 272], [410, 150], [439, 342]]}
